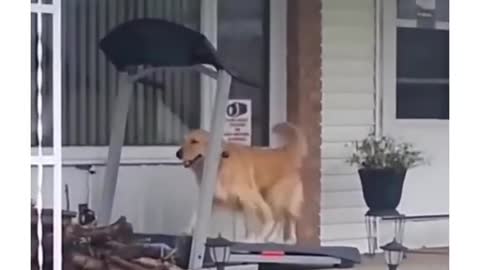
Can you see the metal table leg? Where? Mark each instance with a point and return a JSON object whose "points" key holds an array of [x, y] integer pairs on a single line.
{"points": [[399, 225], [371, 223], [399, 229]]}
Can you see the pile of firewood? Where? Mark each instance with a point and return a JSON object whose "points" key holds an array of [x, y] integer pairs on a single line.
{"points": [[111, 247]]}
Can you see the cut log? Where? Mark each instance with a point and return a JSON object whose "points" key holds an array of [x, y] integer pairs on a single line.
{"points": [[133, 251], [121, 230], [124, 263], [85, 262], [149, 262], [109, 247]]}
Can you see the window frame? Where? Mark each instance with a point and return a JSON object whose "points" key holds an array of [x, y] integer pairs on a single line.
{"points": [[387, 72], [78, 155]]}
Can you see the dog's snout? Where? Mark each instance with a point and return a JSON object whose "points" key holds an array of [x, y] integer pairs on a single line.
{"points": [[179, 153]]}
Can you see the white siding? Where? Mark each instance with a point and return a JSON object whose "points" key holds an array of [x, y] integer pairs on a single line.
{"points": [[348, 114], [155, 199]]}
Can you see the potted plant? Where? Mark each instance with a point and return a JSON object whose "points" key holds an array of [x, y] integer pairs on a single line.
{"points": [[382, 166]]}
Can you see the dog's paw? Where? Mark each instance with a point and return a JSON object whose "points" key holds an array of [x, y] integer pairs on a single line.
{"points": [[250, 239], [276, 240], [275, 237], [291, 241]]}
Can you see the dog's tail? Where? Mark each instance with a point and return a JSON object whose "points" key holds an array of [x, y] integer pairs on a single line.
{"points": [[294, 139]]}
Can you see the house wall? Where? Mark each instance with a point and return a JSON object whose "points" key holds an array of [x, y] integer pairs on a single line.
{"points": [[348, 114], [133, 198], [348, 49], [155, 199]]}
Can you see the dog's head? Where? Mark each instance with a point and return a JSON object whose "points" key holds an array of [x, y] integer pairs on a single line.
{"points": [[194, 148]]}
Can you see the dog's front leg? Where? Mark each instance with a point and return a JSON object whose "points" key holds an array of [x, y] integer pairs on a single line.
{"points": [[249, 218], [250, 228], [268, 221], [255, 207]]}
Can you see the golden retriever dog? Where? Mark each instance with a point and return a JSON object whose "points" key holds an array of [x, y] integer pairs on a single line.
{"points": [[263, 183]]}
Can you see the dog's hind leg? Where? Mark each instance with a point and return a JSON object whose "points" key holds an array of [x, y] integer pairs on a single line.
{"points": [[289, 231], [279, 215], [286, 199], [293, 212]]}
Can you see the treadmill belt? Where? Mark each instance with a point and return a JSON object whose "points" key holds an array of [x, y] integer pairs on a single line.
{"points": [[271, 266], [344, 253]]}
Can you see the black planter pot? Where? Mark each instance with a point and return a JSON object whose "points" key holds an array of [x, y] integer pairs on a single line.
{"points": [[382, 188]]}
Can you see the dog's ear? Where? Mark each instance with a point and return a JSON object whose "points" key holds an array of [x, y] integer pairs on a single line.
{"points": [[225, 154]]}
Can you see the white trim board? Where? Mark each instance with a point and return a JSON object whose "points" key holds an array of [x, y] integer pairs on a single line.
{"points": [[278, 65], [78, 155], [42, 8], [413, 24]]}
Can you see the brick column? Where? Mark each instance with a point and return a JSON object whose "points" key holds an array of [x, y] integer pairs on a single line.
{"points": [[304, 102]]}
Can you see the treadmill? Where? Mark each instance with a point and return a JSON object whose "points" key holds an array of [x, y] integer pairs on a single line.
{"points": [[266, 255], [137, 49]]}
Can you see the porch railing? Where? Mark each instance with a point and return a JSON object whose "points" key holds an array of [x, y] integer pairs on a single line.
{"points": [[43, 13]]}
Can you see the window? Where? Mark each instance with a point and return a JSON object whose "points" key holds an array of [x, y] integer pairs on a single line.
{"points": [[422, 60], [243, 25], [158, 116]]}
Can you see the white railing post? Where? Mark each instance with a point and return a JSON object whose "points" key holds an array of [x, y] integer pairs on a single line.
{"points": [[57, 135], [39, 82], [55, 158]]}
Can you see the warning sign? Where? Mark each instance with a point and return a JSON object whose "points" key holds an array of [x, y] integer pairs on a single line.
{"points": [[238, 126]]}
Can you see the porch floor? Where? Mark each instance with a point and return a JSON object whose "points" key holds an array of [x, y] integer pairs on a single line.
{"points": [[412, 262]]}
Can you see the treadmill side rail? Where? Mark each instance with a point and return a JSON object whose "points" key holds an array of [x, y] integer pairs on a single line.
{"points": [[236, 267]]}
